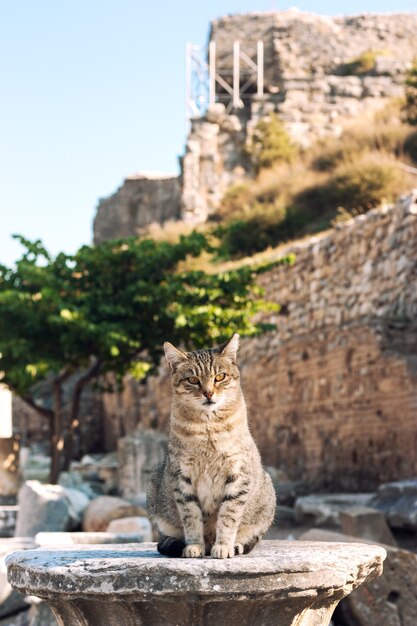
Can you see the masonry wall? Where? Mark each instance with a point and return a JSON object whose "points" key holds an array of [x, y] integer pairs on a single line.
{"points": [[332, 392]]}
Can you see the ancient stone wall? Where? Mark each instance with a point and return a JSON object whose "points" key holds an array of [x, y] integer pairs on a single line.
{"points": [[313, 80], [142, 199], [332, 392]]}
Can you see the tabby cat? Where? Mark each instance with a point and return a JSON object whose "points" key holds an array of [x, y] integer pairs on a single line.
{"points": [[211, 495]]}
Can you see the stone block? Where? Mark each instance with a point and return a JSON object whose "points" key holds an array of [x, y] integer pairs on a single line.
{"points": [[398, 501], [102, 510], [324, 509], [389, 601], [366, 523], [137, 455], [42, 508], [135, 525]]}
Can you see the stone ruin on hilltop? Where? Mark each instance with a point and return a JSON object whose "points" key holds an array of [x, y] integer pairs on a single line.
{"points": [[310, 77]]}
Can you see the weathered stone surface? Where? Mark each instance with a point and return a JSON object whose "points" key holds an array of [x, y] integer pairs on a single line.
{"points": [[59, 539], [136, 525], [44, 507], [138, 454], [11, 601], [366, 523], [324, 510], [398, 500], [102, 510], [142, 199], [389, 601], [292, 583], [333, 379]]}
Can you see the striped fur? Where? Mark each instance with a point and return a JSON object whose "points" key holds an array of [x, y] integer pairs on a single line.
{"points": [[211, 495]]}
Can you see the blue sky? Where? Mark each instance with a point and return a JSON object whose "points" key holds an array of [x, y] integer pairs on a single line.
{"points": [[93, 90]]}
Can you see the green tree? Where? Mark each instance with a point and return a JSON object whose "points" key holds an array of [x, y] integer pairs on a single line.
{"points": [[411, 95], [271, 143], [105, 309]]}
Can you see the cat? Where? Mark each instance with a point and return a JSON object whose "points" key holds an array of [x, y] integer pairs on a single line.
{"points": [[211, 495]]}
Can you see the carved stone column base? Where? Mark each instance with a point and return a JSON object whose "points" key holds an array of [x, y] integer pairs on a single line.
{"points": [[282, 583]]}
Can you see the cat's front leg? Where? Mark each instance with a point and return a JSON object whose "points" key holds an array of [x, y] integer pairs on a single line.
{"points": [[229, 518], [191, 518]]}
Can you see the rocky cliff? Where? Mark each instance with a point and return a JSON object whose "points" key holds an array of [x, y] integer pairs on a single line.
{"points": [[335, 396]]}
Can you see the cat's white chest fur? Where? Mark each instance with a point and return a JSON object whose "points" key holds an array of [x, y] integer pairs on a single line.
{"points": [[206, 492]]}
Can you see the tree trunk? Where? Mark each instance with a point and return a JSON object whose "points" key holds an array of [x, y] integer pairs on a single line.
{"points": [[81, 383], [56, 432]]}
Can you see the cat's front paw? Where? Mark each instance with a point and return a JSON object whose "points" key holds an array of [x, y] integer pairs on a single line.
{"points": [[193, 551], [223, 551]]}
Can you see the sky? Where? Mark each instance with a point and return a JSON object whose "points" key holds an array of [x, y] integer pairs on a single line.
{"points": [[94, 90]]}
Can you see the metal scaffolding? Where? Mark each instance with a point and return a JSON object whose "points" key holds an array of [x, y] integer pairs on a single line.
{"points": [[206, 83]]}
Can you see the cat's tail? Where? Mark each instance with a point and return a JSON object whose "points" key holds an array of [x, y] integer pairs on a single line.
{"points": [[169, 546]]}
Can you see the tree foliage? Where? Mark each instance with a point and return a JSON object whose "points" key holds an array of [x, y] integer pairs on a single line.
{"points": [[109, 308]]}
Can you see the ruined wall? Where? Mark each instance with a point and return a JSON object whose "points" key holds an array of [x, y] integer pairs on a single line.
{"points": [[332, 392], [142, 199]]}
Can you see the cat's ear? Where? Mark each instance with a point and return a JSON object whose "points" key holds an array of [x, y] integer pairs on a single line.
{"points": [[174, 356], [230, 348]]}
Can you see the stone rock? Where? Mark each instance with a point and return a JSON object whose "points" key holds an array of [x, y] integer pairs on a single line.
{"points": [[138, 454], [366, 523], [398, 500], [8, 516], [72, 480], [101, 511], [135, 525], [40, 614], [216, 113], [279, 582], [77, 502], [324, 509], [69, 539], [18, 619], [42, 508], [389, 601], [100, 471], [36, 467], [11, 601]]}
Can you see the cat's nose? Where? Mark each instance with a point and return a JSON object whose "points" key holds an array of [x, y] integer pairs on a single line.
{"points": [[208, 394]]}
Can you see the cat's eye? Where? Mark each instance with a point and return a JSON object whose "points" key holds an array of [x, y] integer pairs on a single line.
{"points": [[193, 380], [219, 377]]}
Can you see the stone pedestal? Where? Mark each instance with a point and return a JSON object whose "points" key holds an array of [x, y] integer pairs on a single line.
{"points": [[282, 583]]}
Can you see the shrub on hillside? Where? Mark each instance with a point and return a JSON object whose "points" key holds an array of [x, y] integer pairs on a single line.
{"points": [[362, 64], [356, 186], [410, 146], [271, 144], [410, 107]]}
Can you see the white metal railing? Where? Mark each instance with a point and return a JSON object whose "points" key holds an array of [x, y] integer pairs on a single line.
{"points": [[207, 83]]}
